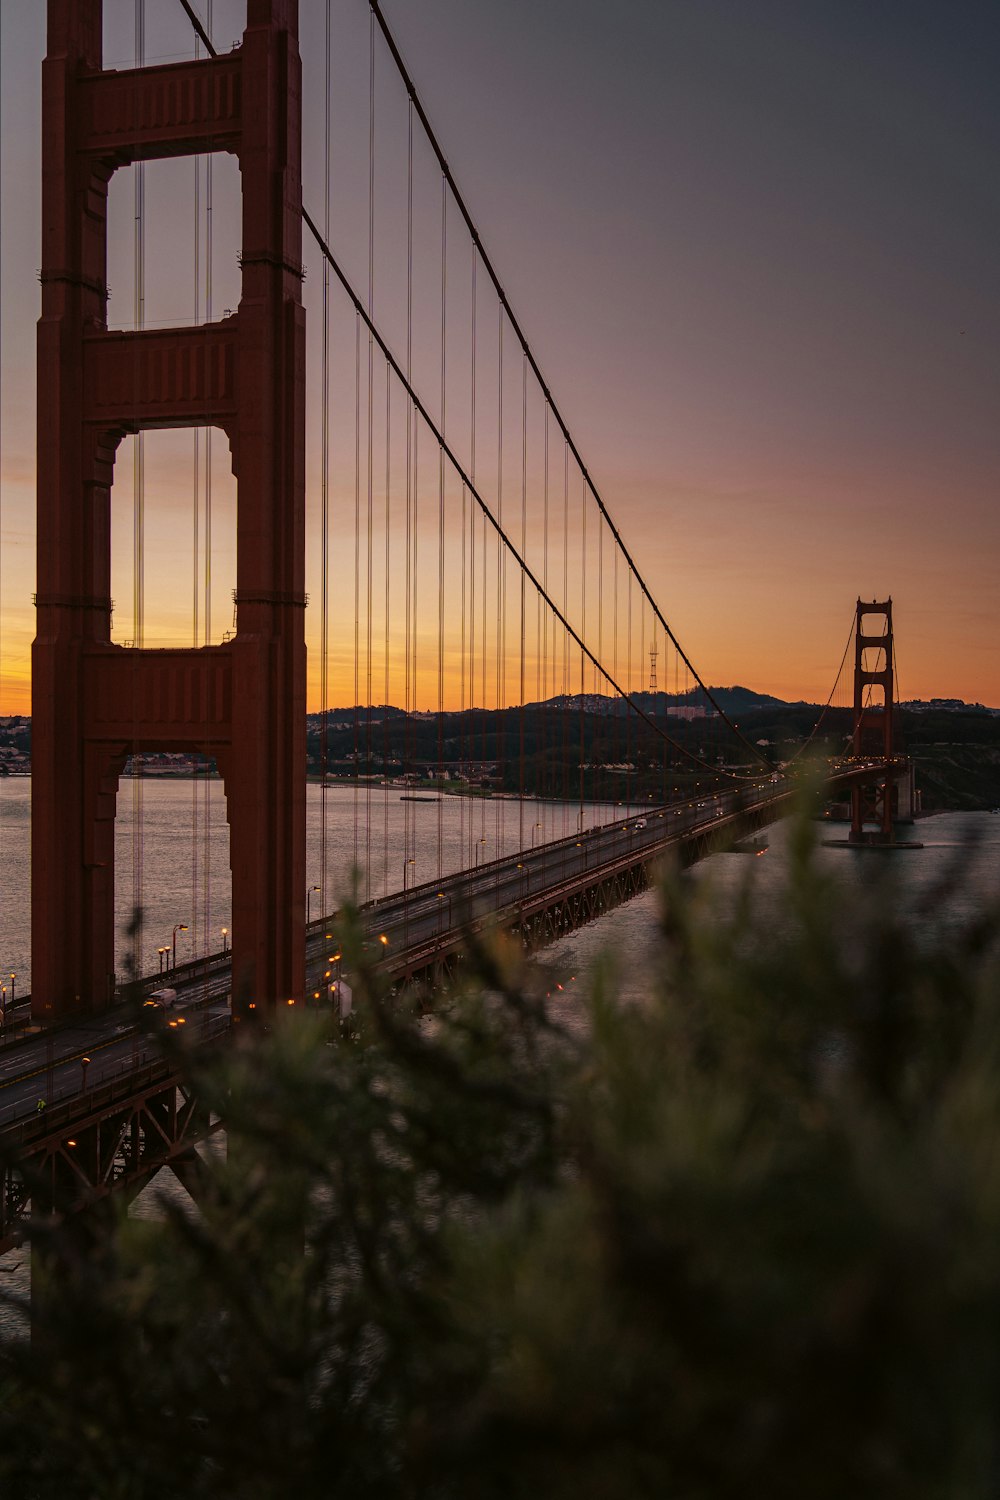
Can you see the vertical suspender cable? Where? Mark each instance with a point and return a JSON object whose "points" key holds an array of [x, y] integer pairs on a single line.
{"points": [[543, 609], [472, 542], [357, 578], [566, 642], [468, 677], [385, 698], [500, 736], [524, 539], [409, 702], [195, 509], [484, 694], [324, 647], [630, 687], [583, 632], [207, 608], [138, 519], [369, 556], [441, 509]]}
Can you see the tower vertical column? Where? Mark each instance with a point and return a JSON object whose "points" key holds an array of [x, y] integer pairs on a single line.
{"points": [[72, 897], [266, 778]]}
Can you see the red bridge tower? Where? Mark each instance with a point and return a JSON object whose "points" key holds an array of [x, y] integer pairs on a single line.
{"points": [[95, 703], [874, 677]]}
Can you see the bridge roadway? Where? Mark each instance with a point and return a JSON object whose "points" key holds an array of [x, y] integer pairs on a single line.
{"points": [[411, 932]]}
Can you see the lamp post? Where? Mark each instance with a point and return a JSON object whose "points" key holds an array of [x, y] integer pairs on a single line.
{"points": [[84, 1065], [180, 927], [442, 897], [13, 993], [313, 889], [534, 832], [163, 953], [479, 848], [225, 939], [406, 865]]}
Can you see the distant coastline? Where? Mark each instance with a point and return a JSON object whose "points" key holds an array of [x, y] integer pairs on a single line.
{"points": [[955, 746]]}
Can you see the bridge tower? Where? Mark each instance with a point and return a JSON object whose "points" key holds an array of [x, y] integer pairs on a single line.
{"points": [[94, 703], [873, 722]]}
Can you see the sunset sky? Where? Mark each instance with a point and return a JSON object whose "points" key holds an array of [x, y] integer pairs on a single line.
{"points": [[754, 244]]}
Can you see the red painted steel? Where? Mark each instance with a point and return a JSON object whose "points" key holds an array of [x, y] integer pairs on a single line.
{"points": [[94, 703]]}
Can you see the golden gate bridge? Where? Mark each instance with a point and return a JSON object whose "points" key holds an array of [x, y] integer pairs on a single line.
{"points": [[468, 565]]}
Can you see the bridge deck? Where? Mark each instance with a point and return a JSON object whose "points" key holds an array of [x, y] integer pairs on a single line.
{"points": [[103, 1068]]}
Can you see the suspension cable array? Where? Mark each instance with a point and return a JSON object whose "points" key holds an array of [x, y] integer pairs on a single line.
{"points": [[426, 502]]}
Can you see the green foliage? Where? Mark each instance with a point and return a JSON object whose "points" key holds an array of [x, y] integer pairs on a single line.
{"points": [[738, 1240]]}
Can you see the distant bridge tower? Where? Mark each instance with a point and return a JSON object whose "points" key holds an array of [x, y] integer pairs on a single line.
{"points": [[94, 703], [874, 722]]}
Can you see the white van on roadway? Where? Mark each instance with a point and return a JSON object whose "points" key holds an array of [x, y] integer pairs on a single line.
{"points": [[164, 999]]}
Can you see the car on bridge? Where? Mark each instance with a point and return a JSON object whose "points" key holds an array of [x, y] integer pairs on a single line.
{"points": [[163, 999]]}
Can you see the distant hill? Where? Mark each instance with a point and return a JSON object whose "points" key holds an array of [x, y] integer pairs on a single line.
{"points": [[732, 700], [956, 745]]}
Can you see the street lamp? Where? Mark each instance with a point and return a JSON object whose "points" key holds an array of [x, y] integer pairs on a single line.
{"points": [[13, 995], [442, 897], [163, 953], [406, 865], [309, 895], [225, 939], [181, 927], [534, 832], [479, 847]]}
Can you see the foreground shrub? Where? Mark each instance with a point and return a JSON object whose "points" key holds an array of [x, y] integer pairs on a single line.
{"points": [[738, 1240]]}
